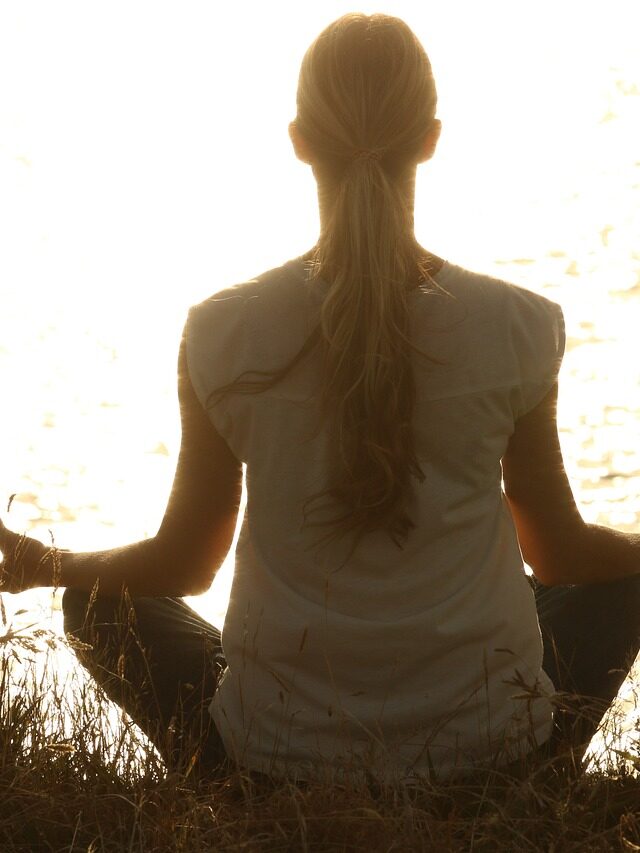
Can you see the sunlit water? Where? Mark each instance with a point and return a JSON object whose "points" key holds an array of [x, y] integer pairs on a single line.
{"points": [[537, 181]]}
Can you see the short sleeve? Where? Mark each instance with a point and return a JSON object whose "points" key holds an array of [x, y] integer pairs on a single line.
{"points": [[215, 333], [539, 341]]}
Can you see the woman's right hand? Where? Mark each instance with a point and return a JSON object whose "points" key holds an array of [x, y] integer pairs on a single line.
{"points": [[23, 561]]}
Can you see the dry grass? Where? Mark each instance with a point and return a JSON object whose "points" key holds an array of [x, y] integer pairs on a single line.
{"points": [[75, 776]]}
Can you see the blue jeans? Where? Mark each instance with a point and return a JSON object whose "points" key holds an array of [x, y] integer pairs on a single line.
{"points": [[160, 661], [591, 636]]}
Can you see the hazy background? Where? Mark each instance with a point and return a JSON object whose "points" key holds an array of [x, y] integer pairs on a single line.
{"points": [[145, 163]]}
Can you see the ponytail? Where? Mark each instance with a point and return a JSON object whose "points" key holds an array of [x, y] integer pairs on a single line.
{"points": [[366, 100]]}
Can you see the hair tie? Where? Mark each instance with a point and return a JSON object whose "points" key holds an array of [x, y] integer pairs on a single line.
{"points": [[368, 154]]}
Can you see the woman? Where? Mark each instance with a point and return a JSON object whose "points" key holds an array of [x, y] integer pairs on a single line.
{"points": [[380, 618]]}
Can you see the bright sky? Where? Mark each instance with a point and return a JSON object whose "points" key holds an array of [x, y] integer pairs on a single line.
{"points": [[144, 150]]}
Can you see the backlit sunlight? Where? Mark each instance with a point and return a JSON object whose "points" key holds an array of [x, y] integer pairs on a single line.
{"points": [[145, 164]]}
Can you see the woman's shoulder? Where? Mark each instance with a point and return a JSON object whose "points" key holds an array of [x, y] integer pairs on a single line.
{"points": [[487, 334], [496, 301], [482, 287], [246, 318], [268, 285]]}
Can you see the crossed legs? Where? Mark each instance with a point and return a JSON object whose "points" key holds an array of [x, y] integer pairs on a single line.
{"points": [[158, 660]]}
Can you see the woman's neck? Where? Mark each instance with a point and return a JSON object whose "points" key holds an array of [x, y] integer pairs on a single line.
{"points": [[326, 196]]}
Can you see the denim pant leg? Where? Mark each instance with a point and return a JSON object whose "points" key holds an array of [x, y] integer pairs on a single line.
{"points": [[158, 660], [591, 636]]}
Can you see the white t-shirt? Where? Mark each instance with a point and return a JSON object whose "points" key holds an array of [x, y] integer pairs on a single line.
{"points": [[397, 660]]}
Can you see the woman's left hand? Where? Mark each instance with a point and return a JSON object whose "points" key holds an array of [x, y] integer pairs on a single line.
{"points": [[24, 560]]}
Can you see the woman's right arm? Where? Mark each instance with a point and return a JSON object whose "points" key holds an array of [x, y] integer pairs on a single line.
{"points": [[193, 540], [556, 542]]}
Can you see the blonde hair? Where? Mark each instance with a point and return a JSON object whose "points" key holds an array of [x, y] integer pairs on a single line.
{"points": [[366, 101]]}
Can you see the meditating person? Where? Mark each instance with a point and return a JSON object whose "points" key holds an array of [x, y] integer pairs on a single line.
{"points": [[396, 417]]}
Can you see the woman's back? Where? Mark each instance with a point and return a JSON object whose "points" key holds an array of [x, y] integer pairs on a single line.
{"points": [[403, 652]]}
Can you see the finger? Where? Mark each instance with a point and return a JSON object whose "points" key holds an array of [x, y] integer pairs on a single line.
{"points": [[16, 546], [22, 559], [7, 537], [4, 535]]}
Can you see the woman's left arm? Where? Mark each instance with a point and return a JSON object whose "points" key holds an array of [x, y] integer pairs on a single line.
{"points": [[193, 539]]}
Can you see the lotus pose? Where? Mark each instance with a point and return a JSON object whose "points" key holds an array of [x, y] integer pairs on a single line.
{"points": [[396, 414]]}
